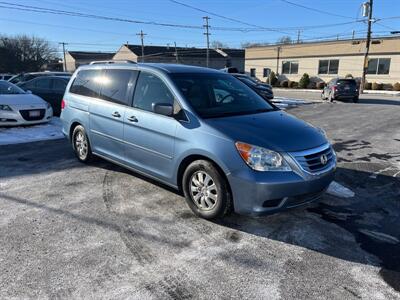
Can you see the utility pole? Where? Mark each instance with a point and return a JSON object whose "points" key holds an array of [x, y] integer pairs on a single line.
{"points": [[64, 62], [298, 36], [207, 34], [278, 50], [176, 53], [367, 5], [141, 34], [353, 34]]}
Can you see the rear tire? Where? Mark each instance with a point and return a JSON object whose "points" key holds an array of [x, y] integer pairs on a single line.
{"points": [[81, 145], [355, 99], [206, 190]]}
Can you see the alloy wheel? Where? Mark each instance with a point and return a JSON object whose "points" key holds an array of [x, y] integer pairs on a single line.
{"points": [[203, 190]]}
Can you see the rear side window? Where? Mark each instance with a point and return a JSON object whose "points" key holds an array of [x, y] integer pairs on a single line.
{"points": [[59, 84], [42, 83], [116, 84], [86, 83], [151, 89]]}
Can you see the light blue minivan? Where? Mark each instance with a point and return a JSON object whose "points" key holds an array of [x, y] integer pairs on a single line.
{"points": [[198, 130]]}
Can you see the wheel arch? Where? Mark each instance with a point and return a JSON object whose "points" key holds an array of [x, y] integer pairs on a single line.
{"points": [[185, 162]]}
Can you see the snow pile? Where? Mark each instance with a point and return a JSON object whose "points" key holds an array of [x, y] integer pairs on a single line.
{"points": [[338, 190], [283, 102], [33, 133]]}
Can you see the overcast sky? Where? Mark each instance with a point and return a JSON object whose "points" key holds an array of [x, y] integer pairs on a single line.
{"points": [[102, 35]]}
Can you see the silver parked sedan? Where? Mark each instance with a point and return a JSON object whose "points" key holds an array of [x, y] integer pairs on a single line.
{"points": [[18, 107]]}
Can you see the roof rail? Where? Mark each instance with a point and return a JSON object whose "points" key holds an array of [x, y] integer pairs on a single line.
{"points": [[112, 62]]}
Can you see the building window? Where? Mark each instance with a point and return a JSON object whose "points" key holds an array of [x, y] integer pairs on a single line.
{"points": [[253, 72], [378, 66], [266, 72], [328, 66], [290, 67]]}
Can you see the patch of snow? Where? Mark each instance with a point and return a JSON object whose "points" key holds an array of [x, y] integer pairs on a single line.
{"points": [[33, 133], [283, 102], [380, 236], [338, 190]]}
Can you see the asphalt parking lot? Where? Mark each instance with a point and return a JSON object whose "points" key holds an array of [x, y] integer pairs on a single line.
{"points": [[69, 230]]}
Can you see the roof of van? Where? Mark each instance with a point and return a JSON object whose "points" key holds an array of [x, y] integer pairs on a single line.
{"points": [[177, 68], [166, 68]]}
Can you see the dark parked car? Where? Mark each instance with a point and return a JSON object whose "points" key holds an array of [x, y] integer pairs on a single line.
{"points": [[263, 89], [341, 89], [49, 88], [24, 77]]}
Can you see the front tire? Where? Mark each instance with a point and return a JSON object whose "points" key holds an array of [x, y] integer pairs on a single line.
{"points": [[206, 190], [81, 145]]}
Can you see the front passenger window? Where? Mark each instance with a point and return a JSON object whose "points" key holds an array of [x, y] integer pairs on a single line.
{"points": [[151, 89]]}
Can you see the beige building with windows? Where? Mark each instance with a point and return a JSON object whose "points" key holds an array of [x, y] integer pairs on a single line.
{"points": [[327, 60]]}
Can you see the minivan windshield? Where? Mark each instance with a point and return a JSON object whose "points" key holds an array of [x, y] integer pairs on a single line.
{"points": [[219, 95]]}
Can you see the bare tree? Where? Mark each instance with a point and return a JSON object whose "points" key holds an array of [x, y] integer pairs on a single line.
{"points": [[256, 44], [25, 54], [218, 44], [285, 40]]}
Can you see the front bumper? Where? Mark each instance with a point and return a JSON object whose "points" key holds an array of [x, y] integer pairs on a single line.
{"points": [[15, 118], [256, 193]]}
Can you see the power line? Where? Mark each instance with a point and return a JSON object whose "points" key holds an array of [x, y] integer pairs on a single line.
{"points": [[36, 9], [316, 10], [227, 18]]}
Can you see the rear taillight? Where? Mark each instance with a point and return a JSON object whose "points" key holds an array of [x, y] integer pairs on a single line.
{"points": [[334, 88], [63, 104]]}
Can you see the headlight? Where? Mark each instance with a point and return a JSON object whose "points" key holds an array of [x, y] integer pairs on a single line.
{"points": [[5, 107], [261, 159]]}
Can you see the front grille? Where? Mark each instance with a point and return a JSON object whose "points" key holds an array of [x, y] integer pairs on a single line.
{"points": [[312, 160], [25, 114]]}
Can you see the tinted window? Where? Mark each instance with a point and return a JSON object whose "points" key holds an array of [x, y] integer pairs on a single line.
{"points": [[59, 84], [290, 67], [151, 89], [266, 72], [217, 95], [86, 83], [43, 83], [378, 66], [328, 66], [115, 85]]}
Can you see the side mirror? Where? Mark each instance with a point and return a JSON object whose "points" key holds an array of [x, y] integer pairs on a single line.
{"points": [[29, 92], [165, 109]]}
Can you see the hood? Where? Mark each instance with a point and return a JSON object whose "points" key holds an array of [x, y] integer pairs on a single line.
{"points": [[21, 99], [275, 130]]}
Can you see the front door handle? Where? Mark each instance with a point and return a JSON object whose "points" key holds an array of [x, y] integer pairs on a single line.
{"points": [[116, 115], [132, 119]]}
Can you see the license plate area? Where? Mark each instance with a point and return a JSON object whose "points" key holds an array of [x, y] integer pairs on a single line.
{"points": [[34, 113]]}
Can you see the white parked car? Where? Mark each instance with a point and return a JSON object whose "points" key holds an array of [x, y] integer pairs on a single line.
{"points": [[18, 107]]}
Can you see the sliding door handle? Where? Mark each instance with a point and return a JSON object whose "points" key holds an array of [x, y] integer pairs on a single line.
{"points": [[133, 119], [116, 115]]}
